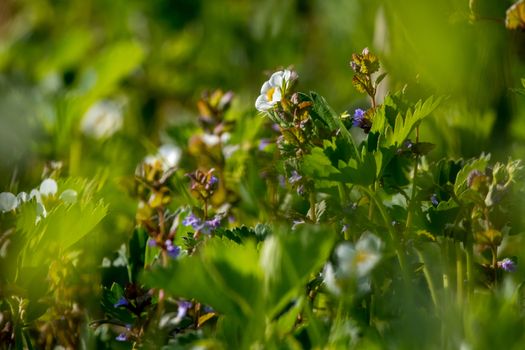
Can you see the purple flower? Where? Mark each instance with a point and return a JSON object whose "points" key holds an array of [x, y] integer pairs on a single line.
{"points": [[434, 200], [121, 302], [182, 310], [152, 242], [359, 116], [122, 337], [213, 181], [507, 265], [263, 143], [193, 221], [295, 177], [173, 250], [198, 224]]}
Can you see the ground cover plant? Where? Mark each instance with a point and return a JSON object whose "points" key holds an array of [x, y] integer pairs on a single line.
{"points": [[267, 216]]}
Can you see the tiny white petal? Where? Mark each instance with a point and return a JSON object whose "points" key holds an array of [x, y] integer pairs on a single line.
{"points": [[210, 139], [102, 120], [170, 154], [22, 197], [69, 196], [35, 194], [8, 201], [48, 187]]}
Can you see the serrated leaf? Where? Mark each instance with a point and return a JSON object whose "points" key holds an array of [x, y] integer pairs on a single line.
{"points": [[480, 164]]}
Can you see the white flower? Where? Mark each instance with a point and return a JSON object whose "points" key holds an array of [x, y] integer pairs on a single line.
{"points": [[354, 263], [212, 140], [168, 156], [102, 120], [69, 196], [362, 258], [48, 187], [273, 90], [8, 202]]}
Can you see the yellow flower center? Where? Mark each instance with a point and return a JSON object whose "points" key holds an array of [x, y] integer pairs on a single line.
{"points": [[269, 94]]}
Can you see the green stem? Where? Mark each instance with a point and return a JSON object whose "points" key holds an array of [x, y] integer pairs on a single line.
{"points": [[313, 215], [395, 240], [459, 272], [410, 215], [428, 278]]}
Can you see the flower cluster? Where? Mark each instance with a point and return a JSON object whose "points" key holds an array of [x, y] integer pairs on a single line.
{"points": [[203, 184], [200, 225], [45, 192]]}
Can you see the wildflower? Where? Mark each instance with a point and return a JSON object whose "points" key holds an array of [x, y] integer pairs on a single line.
{"points": [[173, 250], [359, 115], [184, 306], [354, 263], [360, 120], [295, 177], [263, 143], [359, 259], [434, 200], [48, 187], [167, 157], [8, 201], [200, 225], [507, 265], [121, 302], [274, 89], [122, 337], [102, 120], [212, 140]]}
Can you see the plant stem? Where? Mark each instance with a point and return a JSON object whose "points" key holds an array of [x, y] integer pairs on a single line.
{"points": [[410, 215], [395, 240], [459, 272], [428, 278]]}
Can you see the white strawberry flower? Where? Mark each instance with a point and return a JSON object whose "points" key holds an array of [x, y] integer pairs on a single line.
{"points": [[274, 89]]}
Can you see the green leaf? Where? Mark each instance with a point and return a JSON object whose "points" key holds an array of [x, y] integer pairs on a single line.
{"points": [[318, 165], [404, 126], [476, 164], [288, 259], [334, 122], [223, 274]]}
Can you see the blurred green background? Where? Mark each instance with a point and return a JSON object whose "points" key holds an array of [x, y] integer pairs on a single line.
{"points": [[155, 58]]}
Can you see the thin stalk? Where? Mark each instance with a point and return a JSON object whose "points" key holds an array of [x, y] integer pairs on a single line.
{"points": [[397, 243], [410, 215], [313, 215], [428, 278], [459, 273]]}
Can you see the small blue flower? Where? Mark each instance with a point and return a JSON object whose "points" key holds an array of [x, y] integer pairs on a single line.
{"points": [[173, 250], [213, 181], [434, 200], [507, 265], [122, 337], [295, 177], [152, 242], [263, 143], [193, 221], [182, 310], [121, 302], [359, 116]]}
